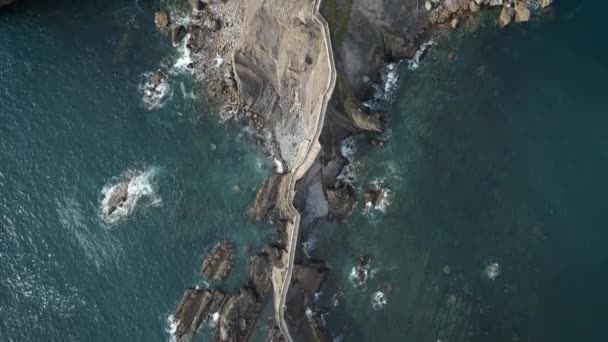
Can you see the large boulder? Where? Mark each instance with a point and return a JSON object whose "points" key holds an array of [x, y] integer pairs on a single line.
{"points": [[369, 122], [522, 12], [161, 19], [506, 16], [341, 202]]}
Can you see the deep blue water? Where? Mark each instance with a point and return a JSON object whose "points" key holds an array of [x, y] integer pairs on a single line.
{"points": [[497, 152], [71, 123]]}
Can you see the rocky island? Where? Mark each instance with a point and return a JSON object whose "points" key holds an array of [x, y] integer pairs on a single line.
{"points": [[270, 64]]}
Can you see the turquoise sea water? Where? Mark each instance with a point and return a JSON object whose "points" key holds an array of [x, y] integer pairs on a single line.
{"points": [[497, 154], [71, 123]]}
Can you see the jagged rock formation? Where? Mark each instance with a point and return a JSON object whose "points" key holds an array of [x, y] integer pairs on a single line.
{"points": [[303, 321], [194, 309], [218, 265], [341, 202], [266, 199]]}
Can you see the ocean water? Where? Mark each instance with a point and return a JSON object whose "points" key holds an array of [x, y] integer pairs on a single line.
{"points": [[495, 227], [72, 125]]}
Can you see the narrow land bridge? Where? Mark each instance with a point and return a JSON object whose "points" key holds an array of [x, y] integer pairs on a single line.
{"points": [[281, 274]]}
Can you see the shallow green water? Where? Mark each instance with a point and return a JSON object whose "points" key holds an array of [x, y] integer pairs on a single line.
{"points": [[499, 155], [72, 122]]}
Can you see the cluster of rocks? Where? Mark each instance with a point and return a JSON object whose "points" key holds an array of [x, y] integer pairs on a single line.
{"points": [[212, 29], [233, 316], [518, 10]]}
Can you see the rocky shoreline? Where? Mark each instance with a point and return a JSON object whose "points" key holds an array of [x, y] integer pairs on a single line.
{"points": [[262, 63]]}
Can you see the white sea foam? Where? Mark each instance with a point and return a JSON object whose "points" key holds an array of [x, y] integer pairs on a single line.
{"points": [[184, 59], [492, 271], [414, 62], [155, 92], [360, 275], [134, 185], [171, 328], [214, 319], [348, 147], [309, 245], [278, 166], [379, 300]]}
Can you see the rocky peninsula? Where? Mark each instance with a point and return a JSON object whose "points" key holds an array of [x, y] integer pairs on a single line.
{"points": [[270, 65]]}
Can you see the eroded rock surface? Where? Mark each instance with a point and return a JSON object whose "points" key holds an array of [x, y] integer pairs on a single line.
{"points": [[341, 201], [238, 316], [195, 308], [219, 263]]}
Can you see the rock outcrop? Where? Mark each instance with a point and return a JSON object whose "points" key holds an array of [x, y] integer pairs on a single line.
{"points": [[265, 201], [161, 19], [310, 276], [238, 316], [341, 201], [218, 265], [195, 308]]}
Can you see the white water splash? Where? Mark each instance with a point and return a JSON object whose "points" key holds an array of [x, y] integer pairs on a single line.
{"points": [[184, 60], [155, 90], [214, 318], [278, 166], [131, 186], [348, 147], [379, 300], [171, 328], [492, 271], [414, 62], [308, 246]]}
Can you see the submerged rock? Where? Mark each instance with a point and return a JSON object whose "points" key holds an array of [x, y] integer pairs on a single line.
{"points": [[545, 3], [218, 265]]}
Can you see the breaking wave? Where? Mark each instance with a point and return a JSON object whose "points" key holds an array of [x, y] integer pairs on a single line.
{"points": [[171, 328], [155, 90], [379, 300], [414, 62]]}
